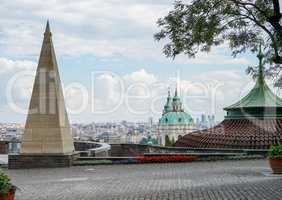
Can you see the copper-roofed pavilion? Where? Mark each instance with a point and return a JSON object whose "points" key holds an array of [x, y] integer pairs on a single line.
{"points": [[254, 122]]}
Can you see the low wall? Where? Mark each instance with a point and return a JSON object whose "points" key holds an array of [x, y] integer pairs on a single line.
{"points": [[88, 148], [29, 161], [4, 147], [85, 145], [131, 150], [22, 161], [85, 148]]}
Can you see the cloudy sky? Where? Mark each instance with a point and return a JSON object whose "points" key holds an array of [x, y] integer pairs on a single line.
{"points": [[110, 65]]}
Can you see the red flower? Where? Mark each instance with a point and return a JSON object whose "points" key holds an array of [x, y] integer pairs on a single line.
{"points": [[165, 159]]}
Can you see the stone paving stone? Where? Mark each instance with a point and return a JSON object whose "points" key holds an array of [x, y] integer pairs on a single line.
{"points": [[223, 180]]}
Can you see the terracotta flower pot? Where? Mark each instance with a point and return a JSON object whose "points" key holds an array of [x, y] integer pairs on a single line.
{"points": [[10, 195], [276, 165]]}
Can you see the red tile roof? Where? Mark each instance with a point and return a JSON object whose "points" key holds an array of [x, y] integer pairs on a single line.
{"points": [[237, 134]]}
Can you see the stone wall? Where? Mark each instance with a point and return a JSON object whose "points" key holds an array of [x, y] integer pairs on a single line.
{"points": [[128, 150], [4, 147], [27, 161], [85, 145], [21, 161]]}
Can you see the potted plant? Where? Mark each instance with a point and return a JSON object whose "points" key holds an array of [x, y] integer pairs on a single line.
{"points": [[275, 159], [7, 190]]}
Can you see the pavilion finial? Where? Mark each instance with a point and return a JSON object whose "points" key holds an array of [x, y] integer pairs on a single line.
{"points": [[260, 54], [260, 70]]}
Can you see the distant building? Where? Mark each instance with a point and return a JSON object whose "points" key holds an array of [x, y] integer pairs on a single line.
{"points": [[133, 138], [205, 121], [10, 131], [175, 122], [109, 138]]}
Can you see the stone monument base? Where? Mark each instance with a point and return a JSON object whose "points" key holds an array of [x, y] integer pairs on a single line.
{"points": [[29, 161]]}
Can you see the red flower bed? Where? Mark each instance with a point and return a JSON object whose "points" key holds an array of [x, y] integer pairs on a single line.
{"points": [[166, 159]]}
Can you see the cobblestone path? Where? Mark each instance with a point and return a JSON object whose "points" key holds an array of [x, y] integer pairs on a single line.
{"points": [[221, 180]]}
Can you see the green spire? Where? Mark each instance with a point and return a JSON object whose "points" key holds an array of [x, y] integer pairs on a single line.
{"points": [[168, 92], [168, 106], [175, 94], [176, 98], [176, 102]]}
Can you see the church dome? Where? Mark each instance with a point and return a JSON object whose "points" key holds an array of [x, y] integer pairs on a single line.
{"points": [[173, 113], [176, 118]]}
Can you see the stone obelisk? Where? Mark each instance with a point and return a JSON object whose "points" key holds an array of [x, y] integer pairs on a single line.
{"points": [[47, 137]]}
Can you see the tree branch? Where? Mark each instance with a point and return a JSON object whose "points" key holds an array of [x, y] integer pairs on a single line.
{"points": [[274, 20], [251, 4], [277, 58], [276, 7]]}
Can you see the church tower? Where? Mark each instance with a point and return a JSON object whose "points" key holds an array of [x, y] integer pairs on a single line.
{"points": [[174, 121]]}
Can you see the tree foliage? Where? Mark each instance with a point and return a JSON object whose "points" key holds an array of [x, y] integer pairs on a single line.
{"points": [[5, 183], [168, 143], [275, 151], [201, 24], [149, 141]]}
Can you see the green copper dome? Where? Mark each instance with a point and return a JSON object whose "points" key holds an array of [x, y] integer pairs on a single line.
{"points": [[259, 102], [173, 113], [176, 118]]}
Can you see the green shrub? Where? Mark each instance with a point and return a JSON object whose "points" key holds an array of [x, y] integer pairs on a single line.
{"points": [[92, 162], [5, 183], [167, 141], [275, 151]]}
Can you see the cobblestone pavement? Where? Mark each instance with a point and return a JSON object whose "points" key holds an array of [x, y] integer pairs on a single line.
{"points": [[198, 180]]}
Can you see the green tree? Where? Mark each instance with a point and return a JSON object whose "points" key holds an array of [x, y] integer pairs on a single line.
{"points": [[172, 142], [167, 141], [201, 24], [154, 141], [144, 141]]}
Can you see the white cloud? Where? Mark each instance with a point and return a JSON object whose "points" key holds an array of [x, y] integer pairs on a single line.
{"points": [[16, 79], [8, 66], [100, 28], [108, 88], [140, 94], [141, 76]]}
